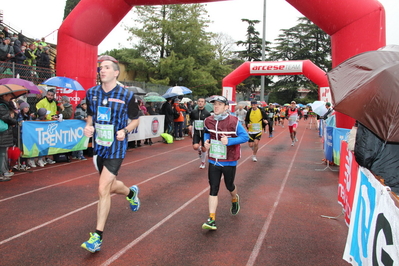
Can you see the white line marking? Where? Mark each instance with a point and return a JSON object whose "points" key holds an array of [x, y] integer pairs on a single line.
{"points": [[265, 228], [82, 208], [73, 179], [118, 254], [46, 223]]}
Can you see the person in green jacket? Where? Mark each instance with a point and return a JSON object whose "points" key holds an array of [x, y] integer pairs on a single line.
{"points": [[49, 104]]}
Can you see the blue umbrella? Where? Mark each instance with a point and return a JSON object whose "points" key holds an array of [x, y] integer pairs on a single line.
{"points": [[179, 90], [64, 82], [170, 95]]}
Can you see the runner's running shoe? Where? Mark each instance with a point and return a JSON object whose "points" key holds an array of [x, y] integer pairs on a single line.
{"points": [[202, 166], [134, 201], [209, 225], [93, 244], [292, 144], [254, 158], [235, 206]]}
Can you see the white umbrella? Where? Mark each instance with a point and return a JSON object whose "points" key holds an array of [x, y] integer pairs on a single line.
{"points": [[319, 107], [179, 90], [185, 100]]}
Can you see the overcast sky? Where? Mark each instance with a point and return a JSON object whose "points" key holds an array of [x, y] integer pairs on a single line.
{"points": [[226, 15]]}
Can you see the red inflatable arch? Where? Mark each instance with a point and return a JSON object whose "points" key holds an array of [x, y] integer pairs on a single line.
{"points": [[355, 26], [258, 68]]}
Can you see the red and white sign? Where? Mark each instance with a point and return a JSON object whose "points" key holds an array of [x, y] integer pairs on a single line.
{"points": [[347, 180], [325, 94], [276, 67]]}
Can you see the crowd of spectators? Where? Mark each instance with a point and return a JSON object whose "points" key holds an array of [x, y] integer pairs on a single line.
{"points": [[32, 58], [42, 108]]}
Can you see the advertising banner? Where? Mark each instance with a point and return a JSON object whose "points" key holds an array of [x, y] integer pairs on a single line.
{"points": [[285, 67], [325, 94], [150, 126], [347, 180], [328, 143], [339, 135], [373, 237], [40, 138]]}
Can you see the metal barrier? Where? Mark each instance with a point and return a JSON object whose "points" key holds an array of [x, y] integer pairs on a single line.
{"points": [[32, 73]]}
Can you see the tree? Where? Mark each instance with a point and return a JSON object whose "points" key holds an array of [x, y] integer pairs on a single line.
{"points": [[301, 42], [173, 40], [253, 43], [252, 52], [69, 6], [223, 44]]}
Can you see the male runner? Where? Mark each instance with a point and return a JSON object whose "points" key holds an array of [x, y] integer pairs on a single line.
{"points": [[293, 114], [224, 134], [109, 106], [196, 127], [254, 121]]}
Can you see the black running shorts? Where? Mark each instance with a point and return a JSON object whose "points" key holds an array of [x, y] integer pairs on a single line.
{"points": [[113, 165]]}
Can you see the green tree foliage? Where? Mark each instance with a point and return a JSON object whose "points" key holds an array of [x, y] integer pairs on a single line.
{"points": [[175, 45], [252, 52], [69, 6], [253, 43], [134, 61], [301, 42]]}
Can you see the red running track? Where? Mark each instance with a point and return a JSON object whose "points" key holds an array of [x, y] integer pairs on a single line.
{"points": [[47, 214]]}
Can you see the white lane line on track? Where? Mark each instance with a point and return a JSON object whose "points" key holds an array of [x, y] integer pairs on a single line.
{"points": [[82, 208], [152, 229], [46, 223], [118, 254], [76, 178], [269, 218], [145, 234], [38, 189]]}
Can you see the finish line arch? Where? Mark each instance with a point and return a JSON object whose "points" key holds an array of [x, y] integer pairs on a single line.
{"points": [[268, 68], [355, 26]]}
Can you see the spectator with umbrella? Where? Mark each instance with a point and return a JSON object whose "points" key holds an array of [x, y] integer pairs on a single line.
{"points": [[8, 120], [178, 120], [167, 110]]}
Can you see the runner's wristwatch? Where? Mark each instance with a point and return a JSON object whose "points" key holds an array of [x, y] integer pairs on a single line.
{"points": [[126, 131]]}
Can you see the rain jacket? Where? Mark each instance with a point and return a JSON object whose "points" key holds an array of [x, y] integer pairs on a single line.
{"points": [[52, 107]]}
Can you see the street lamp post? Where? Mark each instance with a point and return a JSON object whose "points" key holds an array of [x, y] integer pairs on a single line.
{"points": [[262, 78]]}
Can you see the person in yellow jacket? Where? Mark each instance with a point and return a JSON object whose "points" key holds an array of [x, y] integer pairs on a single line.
{"points": [[49, 104]]}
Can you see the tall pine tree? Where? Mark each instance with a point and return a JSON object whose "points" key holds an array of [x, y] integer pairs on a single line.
{"points": [[301, 42]]}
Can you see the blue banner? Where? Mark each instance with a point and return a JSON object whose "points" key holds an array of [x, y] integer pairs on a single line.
{"points": [[339, 134], [40, 138], [328, 143]]}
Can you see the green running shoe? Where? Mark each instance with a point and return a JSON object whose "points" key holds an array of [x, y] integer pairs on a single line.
{"points": [[93, 244], [135, 201], [209, 225], [235, 206]]}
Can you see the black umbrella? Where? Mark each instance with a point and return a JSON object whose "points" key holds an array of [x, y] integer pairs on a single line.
{"points": [[366, 88], [136, 90]]}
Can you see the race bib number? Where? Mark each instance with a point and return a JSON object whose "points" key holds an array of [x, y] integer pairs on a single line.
{"points": [[104, 135], [255, 127], [199, 124], [271, 115], [217, 150], [292, 119], [103, 113]]}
